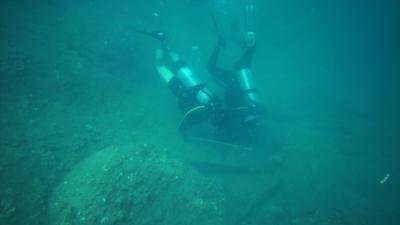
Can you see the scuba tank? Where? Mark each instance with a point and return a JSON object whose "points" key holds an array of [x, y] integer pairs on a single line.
{"points": [[249, 95], [246, 86], [181, 79], [195, 99]]}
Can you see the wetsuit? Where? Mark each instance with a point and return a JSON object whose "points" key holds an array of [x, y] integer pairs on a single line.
{"points": [[240, 94]]}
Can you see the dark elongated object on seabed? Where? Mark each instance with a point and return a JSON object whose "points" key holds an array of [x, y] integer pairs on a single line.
{"points": [[157, 35], [221, 169]]}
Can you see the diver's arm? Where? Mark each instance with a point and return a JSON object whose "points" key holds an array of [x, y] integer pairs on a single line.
{"points": [[213, 60], [247, 58], [250, 35], [223, 76], [249, 38]]}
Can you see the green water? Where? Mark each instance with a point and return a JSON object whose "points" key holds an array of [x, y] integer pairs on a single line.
{"points": [[76, 78]]}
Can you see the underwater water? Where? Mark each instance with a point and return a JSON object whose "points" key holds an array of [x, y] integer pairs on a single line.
{"points": [[89, 130]]}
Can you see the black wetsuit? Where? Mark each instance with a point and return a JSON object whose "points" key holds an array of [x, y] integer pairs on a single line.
{"points": [[234, 96]]}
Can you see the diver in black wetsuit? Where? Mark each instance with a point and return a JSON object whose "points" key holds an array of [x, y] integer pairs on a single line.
{"points": [[194, 98], [241, 97], [240, 110]]}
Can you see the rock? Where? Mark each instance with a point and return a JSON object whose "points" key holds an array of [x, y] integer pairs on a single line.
{"points": [[134, 186]]}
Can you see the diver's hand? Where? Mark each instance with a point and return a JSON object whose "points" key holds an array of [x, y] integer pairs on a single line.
{"points": [[250, 39]]}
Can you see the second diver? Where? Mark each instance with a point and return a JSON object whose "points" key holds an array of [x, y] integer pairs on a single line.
{"points": [[237, 115]]}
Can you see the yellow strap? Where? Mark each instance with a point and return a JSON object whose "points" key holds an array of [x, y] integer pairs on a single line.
{"points": [[187, 114], [226, 144]]}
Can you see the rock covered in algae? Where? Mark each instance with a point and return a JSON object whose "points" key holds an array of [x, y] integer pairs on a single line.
{"points": [[134, 185]]}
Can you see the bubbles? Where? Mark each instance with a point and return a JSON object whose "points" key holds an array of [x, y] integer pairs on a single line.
{"points": [[385, 179]]}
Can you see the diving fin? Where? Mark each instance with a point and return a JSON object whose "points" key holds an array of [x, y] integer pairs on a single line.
{"points": [[250, 16], [221, 39]]}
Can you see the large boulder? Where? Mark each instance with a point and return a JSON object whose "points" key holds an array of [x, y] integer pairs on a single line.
{"points": [[135, 185]]}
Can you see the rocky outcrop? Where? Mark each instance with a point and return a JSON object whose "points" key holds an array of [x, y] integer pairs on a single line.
{"points": [[134, 185]]}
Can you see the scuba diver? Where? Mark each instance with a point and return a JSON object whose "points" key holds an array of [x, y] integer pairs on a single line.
{"points": [[241, 97], [236, 115], [194, 98]]}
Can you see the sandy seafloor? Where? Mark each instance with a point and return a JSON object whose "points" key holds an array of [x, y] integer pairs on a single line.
{"points": [[75, 78]]}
